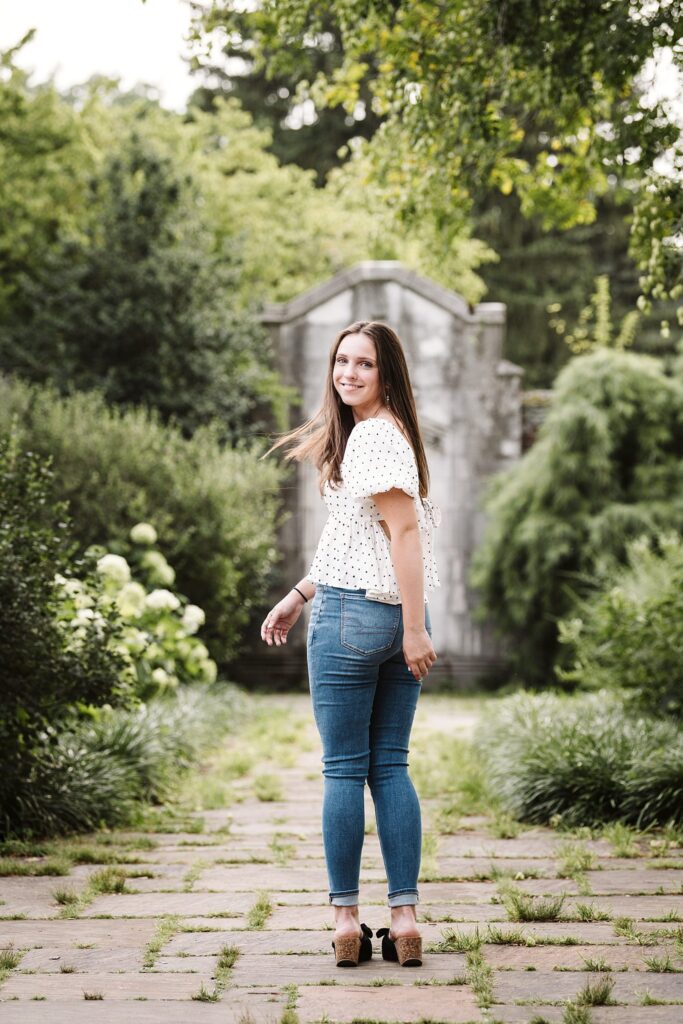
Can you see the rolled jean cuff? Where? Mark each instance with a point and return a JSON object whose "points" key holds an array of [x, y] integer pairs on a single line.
{"points": [[403, 898], [344, 899]]}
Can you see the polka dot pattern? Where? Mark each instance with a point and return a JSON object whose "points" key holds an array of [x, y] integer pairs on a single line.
{"points": [[354, 552]]}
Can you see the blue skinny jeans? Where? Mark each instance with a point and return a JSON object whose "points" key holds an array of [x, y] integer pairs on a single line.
{"points": [[364, 698]]}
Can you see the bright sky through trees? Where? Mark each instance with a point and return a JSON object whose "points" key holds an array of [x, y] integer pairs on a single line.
{"points": [[144, 42], [79, 38]]}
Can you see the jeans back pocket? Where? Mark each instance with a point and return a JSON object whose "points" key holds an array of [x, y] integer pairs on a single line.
{"points": [[368, 627]]}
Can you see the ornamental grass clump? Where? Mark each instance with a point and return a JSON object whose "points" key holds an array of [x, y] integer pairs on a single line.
{"points": [[102, 770], [582, 761]]}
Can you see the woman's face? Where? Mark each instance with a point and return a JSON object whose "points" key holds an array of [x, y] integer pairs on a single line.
{"points": [[355, 375]]}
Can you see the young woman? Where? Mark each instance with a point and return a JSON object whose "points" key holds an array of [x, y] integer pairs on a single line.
{"points": [[369, 634]]}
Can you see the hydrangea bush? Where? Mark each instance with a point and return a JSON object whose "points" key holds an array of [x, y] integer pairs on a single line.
{"points": [[157, 641]]}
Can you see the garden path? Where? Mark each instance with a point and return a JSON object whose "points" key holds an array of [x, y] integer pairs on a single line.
{"points": [[230, 923]]}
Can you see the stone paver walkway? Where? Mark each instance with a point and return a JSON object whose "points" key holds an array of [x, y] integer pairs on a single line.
{"points": [[231, 924]]}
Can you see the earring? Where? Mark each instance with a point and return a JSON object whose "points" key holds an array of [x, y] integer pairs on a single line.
{"points": [[386, 398]]}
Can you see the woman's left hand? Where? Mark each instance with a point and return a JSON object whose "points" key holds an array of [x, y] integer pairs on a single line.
{"points": [[418, 651], [281, 618]]}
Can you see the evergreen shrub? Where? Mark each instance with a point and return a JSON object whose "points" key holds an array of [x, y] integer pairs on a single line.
{"points": [[630, 634], [43, 671], [607, 467], [214, 508], [582, 760]]}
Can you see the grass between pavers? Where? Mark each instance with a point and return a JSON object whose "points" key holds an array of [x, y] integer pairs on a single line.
{"points": [[282, 850], [520, 906], [9, 959], [193, 873], [110, 879], [168, 926], [260, 911], [53, 866], [268, 788], [59, 859], [429, 871], [574, 859], [227, 959], [588, 912], [576, 1014]]}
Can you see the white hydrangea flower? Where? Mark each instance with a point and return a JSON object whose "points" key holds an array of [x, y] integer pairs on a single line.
{"points": [[162, 600], [59, 579], [164, 574], [82, 600], [99, 623], [115, 567], [199, 651], [72, 587], [193, 618], [136, 641], [143, 533], [131, 599], [209, 670], [160, 676], [157, 565], [83, 615]]}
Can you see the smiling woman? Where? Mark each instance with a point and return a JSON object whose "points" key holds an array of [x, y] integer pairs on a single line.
{"points": [[355, 373], [369, 634]]}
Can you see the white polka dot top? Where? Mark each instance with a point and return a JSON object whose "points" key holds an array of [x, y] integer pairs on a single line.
{"points": [[354, 552]]}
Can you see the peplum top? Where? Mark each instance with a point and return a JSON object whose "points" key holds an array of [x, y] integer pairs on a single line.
{"points": [[354, 552]]}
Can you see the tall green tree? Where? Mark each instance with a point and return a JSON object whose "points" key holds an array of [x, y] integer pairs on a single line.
{"points": [[45, 159], [315, 138], [137, 305], [545, 278]]}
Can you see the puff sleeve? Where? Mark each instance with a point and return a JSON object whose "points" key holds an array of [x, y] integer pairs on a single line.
{"points": [[378, 458]]}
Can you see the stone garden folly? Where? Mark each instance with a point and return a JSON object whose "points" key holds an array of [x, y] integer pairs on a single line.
{"points": [[469, 402]]}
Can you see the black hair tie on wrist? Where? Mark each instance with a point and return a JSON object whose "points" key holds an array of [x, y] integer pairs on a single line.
{"points": [[299, 592]]}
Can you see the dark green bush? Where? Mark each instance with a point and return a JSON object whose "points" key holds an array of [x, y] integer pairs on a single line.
{"points": [[630, 635], [214, 508], [582, 761], [100, 771], [607, 467], [43, 672]]}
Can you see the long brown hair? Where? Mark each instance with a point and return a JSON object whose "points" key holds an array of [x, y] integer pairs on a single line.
{"points": [[322, 439]]}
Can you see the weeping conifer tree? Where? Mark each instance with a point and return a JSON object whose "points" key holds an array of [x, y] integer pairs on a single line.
{"points": [[607, 467]]}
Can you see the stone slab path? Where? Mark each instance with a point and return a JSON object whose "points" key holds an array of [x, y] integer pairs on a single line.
{"points": [[231, 923]]}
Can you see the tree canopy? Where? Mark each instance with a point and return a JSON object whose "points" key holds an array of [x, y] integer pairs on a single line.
{"points": [[464, 87]]}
